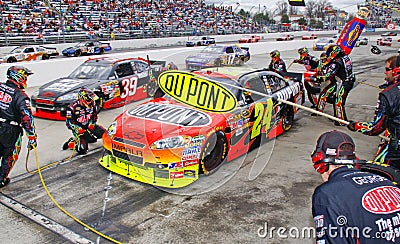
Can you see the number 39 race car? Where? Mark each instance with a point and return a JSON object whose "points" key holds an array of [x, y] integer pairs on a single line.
{"points": [[114, 81], [196, 122]]}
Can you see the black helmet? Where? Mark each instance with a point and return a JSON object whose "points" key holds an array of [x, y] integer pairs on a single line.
{"points": [[18, 75]]}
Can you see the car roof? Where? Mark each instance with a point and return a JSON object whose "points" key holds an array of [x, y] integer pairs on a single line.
{"points": [[112, 61]]}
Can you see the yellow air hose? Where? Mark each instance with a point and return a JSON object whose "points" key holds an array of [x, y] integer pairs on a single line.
{"points": [[55, 202]]}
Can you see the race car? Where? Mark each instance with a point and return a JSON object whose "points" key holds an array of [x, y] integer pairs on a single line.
{"points": [[115, 82], [322, 44], [169, 143], [309, 37], [362, 41], [218, 55], [249, 39], [200, 41], [87, 48], [386, 41], [29, 53], [285, 37]]}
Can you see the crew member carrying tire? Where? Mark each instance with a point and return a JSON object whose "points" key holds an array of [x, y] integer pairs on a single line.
{"points": [[81, 119], [15, 115]]}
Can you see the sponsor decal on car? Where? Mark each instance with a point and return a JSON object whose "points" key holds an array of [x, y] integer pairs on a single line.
{"points": [[172, 114], [174, 175], [191, 153], [189, 173], [175, 165], [63, 85], [197, 92]]}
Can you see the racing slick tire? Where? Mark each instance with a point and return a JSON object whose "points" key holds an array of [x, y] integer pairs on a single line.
{"points": [[77, 53], [45, 56], [11, 60], [214, 152], [101, 51], [287, 118]]}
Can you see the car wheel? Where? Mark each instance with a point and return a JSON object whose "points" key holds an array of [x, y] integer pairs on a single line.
{"points": [[78, 53], [45, 56], [11, 60], [101, 51], [214, 152], [287, 118]]}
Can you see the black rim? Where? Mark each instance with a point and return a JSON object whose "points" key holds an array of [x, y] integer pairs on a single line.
{"points": [[213, 156]]}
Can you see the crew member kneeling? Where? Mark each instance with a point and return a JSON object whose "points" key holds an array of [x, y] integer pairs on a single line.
{"points": [[81, 119]]}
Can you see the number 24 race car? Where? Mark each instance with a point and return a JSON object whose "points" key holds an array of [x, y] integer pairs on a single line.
{"points": [[114, 81], [196, 122]]}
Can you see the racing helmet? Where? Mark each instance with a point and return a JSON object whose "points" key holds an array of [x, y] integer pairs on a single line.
{"points": [[323, 58], [85, 97], [303, 51], [333, 148], [18, 75], [274, 54], [333, 51]]}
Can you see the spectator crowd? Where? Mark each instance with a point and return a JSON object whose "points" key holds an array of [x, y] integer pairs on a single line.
{"points": [[29, 17]]}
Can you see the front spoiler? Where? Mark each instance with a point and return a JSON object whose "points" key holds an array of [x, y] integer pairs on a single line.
{"points": [[47, 114], [168, 178]]}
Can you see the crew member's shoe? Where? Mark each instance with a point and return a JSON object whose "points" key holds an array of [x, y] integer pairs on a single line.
{"points": [[4, 182], [338, 124]]}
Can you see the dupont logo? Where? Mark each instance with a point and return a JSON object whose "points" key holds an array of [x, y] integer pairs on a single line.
{"points": [[382, 200]]}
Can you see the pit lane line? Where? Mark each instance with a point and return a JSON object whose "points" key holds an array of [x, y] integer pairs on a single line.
{"points": [[42, 220]]}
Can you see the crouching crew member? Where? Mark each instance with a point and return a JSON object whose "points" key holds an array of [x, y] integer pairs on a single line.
{"points": [[81, 119]]}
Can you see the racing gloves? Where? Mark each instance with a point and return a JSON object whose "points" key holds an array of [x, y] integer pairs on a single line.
{"points": [[31, 143]]}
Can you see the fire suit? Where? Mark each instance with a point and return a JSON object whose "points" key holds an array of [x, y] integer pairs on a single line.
{"points": [[340, 75], [387, 116], [15, 114], [356, 207], [81, 120], [311, 63], [279, 66]]}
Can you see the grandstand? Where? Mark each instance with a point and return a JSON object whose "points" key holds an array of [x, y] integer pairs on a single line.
{"points": [[55, 21]]}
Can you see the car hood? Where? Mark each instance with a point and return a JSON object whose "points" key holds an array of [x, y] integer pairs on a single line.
{"points": [[160, 118], [63, 86]]}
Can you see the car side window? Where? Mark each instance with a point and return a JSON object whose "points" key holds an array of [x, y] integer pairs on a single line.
{"points": [[275, 83], [141, 67], [229, 50], [256, 84], [29, 50], [124, 70]]}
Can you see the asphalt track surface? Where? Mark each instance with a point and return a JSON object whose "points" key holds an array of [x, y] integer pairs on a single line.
{"points": [[269, 188]]}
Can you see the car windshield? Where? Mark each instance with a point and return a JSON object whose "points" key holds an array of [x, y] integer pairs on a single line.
{"points": [[91, 71], [17, 50], [81, 44], [213, 49]]}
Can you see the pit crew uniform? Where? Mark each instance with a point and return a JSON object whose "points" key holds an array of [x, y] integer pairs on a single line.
{"points": [[356, 207], [387, 116], [311, 63], [82, 121], [339, 72], [15, 115], [277, 66]]}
